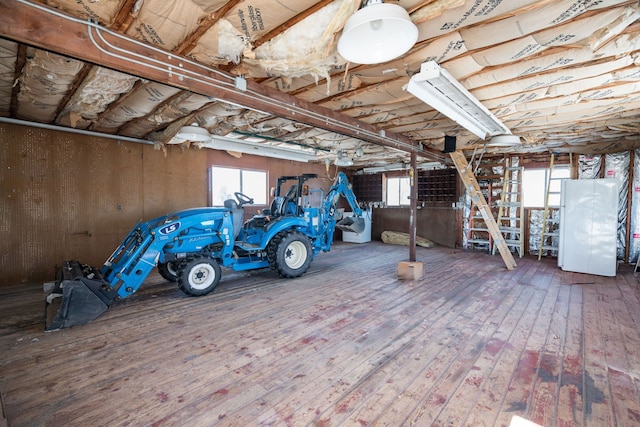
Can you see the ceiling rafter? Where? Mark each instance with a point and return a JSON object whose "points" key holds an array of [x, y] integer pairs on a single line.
{"points": [[187, 45], [367, 97], [21, 60], [205, 24], [115, 104], [125, 16], [421, 44], [121, 22], [355, 92], [145, 117], [77, 82], [23, 20], [290, 23]]}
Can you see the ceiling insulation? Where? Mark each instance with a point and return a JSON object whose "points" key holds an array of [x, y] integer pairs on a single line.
{"points": [[564, 75]]}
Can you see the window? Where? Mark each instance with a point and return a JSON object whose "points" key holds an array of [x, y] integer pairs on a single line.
{"points": [[226, 181], [534, 183], [398, 191]]}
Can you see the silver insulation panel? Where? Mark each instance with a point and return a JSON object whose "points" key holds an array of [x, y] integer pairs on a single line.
{"points": [[617, 167], [589, 166], [634, 241]]}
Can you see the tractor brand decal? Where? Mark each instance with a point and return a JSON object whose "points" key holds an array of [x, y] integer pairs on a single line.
{"points": [[170, 228]]}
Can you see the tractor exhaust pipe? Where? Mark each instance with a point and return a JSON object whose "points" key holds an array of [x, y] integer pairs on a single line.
{"points": [[78, 297]]}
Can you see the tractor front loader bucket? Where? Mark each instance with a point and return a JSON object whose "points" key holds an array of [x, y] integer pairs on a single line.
{"points": [[354, 224], [80, 296]]}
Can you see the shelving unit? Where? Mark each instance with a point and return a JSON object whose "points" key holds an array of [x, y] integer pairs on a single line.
{"points": [[490, 184], [368, 188], [440, 185]]}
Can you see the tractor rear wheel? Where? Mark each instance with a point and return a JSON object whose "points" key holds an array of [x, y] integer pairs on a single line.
{"points": [[198, 276], [292, 254], [168, 271]]}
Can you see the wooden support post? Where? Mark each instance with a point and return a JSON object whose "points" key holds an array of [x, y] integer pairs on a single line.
{"points": [[471, 184], [413, 208], [412, 270]]}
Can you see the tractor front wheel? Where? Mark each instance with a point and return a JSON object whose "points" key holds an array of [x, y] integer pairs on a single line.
{"points": [[198, 276], [292, 254], [168, 271]]}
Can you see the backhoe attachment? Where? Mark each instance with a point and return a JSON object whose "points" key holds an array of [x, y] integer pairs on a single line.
{"points": [[354, 224], [78, 297]]}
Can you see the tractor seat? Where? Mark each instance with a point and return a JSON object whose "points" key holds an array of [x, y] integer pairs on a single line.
{"points": [[237, 215], [281, 206], [286, 205]]}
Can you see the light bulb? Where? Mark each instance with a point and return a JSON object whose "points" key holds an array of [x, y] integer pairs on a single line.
{"points": [[376, 24]]}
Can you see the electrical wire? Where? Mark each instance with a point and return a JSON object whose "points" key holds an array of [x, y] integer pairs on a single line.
{"points": [[95, 33]]}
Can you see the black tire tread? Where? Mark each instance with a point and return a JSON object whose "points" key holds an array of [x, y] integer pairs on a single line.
{"points": [[280, 264], [163, 269]]}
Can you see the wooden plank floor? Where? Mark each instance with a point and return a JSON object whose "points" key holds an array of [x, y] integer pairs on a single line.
{"points": [[470, 344]]}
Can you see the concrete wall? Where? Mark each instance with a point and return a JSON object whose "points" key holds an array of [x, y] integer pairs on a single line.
{"points": [[68, 196]]}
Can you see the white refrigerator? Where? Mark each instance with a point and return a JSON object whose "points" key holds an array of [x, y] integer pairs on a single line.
{"points": [[589, 226]]}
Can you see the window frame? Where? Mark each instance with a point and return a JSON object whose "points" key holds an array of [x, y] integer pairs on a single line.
{"points": [[241, 177], [401, 179], [543, 186]]}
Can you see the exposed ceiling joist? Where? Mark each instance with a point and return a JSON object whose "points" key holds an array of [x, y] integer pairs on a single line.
{"points": [[42, 26], [555, 72]]}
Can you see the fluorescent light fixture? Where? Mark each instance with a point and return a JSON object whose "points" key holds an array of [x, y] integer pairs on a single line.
{"points": [[343, 160], [192, 133], [402, 166], [430, 166], [378, 32], [258, 149], [436, 87], [504, 141]]}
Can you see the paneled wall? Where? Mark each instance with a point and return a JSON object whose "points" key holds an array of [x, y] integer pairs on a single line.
{"points": [[69, 196], [438, 224]]}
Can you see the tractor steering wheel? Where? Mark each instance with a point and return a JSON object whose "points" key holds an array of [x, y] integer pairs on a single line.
{"points": [[243, 199]]}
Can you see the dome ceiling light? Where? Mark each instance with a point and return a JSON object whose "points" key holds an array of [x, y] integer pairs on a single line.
{"points": [[343, 160], [193, 133], [504, 141], [376, 33]]}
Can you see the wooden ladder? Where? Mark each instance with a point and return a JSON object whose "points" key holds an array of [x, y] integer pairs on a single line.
{"points": [[472, 187], [511, 212], [550, 225]]}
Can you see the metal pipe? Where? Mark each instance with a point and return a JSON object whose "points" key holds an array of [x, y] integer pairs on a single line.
{"points": [[72, 130]]}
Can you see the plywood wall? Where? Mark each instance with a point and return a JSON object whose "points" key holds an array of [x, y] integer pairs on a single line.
{"points": [[438, 224], [68, 196]]}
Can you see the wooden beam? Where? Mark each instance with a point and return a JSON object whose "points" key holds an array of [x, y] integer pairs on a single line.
{"points": [[290, 23], [125, 16], [471, 184], [45, 28], [204, 25], [79, 79], [21, 60]]}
